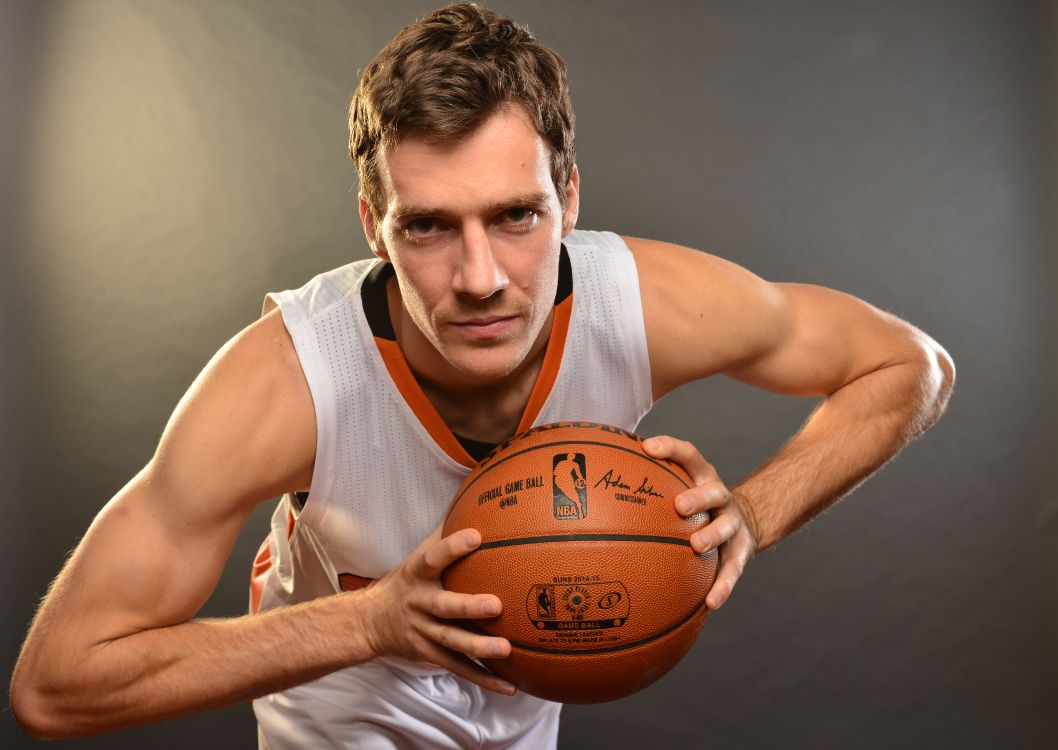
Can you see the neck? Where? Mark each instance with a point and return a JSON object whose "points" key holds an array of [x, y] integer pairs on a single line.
{"points": [[486, 411]]}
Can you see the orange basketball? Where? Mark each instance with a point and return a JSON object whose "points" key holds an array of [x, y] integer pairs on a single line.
{"points": [[602, 593]]}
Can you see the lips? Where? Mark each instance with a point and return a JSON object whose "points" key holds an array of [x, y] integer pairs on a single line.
{"points": [[487, 327]]}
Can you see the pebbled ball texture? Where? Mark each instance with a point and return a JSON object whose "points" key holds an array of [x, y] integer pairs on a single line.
{"points": [[602, 593]]}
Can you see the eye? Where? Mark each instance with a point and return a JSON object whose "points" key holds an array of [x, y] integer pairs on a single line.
{"points": [[520, 217], [421, 228]]}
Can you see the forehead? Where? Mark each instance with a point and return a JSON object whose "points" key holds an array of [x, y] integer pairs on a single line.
{"points": [[502, 158]]}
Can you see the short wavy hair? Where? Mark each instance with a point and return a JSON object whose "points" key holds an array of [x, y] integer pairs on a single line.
{"points": [[443, 76]]}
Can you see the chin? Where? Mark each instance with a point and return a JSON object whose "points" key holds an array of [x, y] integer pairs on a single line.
{"points": [[487, 364]]}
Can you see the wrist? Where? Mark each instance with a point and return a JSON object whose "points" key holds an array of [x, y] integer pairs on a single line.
{"points": [[750, 518], [362, 609]]}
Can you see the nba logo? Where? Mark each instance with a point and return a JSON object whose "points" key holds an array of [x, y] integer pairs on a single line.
{"points": [[568, 480]]}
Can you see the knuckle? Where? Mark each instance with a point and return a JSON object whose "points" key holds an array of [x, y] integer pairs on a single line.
{"points": [[469, 607], [713, 494], [436, 601], [420, 649], [442, 635]]}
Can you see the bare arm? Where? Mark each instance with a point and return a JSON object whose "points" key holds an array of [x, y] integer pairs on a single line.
{"points": [[114, 643], [884, 381]]}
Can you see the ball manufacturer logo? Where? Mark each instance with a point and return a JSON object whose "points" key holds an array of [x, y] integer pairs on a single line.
{"points": [[591, 605], [570, 487]]}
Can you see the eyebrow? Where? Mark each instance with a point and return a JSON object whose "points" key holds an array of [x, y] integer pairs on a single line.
{"points": [[536, 201]]}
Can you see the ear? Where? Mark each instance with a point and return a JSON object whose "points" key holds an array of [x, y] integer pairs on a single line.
{"points": [[569, 216], [367, 219]]}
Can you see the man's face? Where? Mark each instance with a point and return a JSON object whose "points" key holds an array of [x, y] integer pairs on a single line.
{"points": [[473, 230]]}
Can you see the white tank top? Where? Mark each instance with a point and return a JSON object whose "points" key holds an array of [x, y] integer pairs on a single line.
{"points": [[386, 464]]}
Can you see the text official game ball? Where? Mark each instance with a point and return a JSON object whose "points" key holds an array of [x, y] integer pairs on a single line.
{"points": [[602, 593]]}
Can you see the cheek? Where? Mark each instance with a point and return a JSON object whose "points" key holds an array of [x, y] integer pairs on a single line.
{"points": [[420, 293], [541, 279]]}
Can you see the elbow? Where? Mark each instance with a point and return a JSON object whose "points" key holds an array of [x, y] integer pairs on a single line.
{"points": [[36, 711], [936, 383], [29, 708], [943, 362]]}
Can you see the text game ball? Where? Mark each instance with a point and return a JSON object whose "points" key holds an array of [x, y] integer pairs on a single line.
{"points": [[602, 593]]}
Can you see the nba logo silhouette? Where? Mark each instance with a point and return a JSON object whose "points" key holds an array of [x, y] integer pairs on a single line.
{"points": [[568, 480]]}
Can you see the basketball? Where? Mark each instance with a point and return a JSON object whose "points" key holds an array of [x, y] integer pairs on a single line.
{"points": [[601, 591]]}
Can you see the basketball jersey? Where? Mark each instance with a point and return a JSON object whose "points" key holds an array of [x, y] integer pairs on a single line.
{"points": [[387, 465]]}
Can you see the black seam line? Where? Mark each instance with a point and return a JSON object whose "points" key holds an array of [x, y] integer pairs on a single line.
{"points": [[588, 652], [586, 538], [570, 442]]}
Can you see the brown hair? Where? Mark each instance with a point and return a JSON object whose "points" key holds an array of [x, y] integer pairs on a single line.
{"points": [[444, 75]]}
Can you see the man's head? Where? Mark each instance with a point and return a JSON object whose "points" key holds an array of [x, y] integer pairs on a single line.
{"points": [[463, 136], [442, 76]]}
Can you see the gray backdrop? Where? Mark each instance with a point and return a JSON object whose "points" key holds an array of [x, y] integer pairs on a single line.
{"points": [[166, 163]]}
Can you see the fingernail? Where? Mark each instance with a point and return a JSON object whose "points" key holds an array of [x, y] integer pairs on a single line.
{"points": [[684, 505], [508, 688], [492, 608]]}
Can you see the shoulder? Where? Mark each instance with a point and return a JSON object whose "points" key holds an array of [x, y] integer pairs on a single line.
{"points": [[245, 430], [703, 314]]}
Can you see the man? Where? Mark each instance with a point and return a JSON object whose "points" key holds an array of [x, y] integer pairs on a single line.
{"points": [[364, 397]]}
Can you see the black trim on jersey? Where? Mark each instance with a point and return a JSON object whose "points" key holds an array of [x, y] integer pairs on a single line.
{"points": [[565, 277], [476, 448], [376, 306]]}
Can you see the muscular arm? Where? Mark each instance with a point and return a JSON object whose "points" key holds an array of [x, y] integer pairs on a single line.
{"points": [[884, 381], [114, 643]]}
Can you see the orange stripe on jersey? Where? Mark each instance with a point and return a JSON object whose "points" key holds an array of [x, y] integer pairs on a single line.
{"points": [[419, 403], [351, 582], [426, 412], [545, 379], [262, 564], [259, 572]]}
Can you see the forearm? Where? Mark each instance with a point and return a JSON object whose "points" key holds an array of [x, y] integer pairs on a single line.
{"points": [[173, 671], [851, 434]]}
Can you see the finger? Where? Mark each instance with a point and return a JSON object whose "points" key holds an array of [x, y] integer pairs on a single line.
{"points": [[716, 532], [683, 453], [436, 557], [460, 640], [460, 665], [453, 605], [702, 497], [733, 563]]}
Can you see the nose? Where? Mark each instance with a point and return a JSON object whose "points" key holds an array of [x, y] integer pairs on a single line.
{"points": [[479, 272]]}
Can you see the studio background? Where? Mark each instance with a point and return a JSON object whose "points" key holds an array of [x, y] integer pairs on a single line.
{"points": [[164, 164]]}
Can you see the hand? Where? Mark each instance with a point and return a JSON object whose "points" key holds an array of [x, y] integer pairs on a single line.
{"points": [[728, 530], [410, 613]]}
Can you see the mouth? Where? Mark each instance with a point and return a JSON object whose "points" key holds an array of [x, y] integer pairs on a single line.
{"points": [[486, 327]]}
